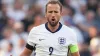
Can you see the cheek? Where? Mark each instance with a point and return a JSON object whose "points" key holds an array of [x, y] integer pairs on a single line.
{"points": [[58, 16], [48, 16]]}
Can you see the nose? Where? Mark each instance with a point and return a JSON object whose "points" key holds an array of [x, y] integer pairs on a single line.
{"points": [[53, 15]]}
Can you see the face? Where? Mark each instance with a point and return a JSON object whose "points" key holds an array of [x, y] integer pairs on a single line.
{"points": [[53, 14]]}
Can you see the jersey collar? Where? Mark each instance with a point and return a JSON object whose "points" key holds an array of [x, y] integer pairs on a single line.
{"points": [[46, 26]]}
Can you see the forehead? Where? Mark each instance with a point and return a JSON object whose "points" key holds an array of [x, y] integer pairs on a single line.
{"points": [[53, 7]]}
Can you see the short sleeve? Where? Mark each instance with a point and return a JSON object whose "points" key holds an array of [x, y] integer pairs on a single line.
{"points": [[73, 45], [73, 38], [32, 37]]}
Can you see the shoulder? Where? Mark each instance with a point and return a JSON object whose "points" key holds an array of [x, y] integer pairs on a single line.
{"points": [[68, 29], [38, 28], [35, 31]]}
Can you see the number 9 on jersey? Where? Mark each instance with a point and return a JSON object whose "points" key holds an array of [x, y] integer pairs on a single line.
{"points": [[50, 50]]}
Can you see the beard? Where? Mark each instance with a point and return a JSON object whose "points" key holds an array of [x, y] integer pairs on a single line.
{"points": [[53, 23]]}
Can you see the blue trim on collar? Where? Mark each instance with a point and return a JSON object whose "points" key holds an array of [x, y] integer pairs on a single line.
{"points": [[46, 26]]}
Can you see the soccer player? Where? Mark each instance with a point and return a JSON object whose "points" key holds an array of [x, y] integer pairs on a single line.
{"points": [[52, 38]]}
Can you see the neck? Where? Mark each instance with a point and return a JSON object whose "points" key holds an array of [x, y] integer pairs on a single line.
{"points": [[53, 29]]}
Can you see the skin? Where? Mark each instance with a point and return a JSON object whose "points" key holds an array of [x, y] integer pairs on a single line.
{"points": [[53, 15], [26, 52], [75, 54]]}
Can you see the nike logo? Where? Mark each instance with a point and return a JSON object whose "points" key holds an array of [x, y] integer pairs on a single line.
{"points": [[41, 39]]}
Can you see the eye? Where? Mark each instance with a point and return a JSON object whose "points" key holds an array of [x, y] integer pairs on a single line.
{"points": [[56, 11], [50, 11]]}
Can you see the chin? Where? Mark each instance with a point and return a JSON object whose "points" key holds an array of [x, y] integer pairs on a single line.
{"points": [[53, 24]]}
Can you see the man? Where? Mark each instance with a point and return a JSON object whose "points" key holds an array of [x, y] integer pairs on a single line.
{"points": [[51, 38]]}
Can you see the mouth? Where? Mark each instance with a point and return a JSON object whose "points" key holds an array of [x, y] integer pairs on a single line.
{"points": [[53, 19]]}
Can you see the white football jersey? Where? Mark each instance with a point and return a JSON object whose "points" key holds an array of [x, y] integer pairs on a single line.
{"points": [[52, 43]]}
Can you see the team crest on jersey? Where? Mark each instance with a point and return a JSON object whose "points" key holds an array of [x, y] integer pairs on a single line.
{"points": [[61, 40]]}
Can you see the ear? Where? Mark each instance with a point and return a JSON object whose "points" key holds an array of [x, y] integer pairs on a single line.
{"points": [[61, 13], [45, 16]]}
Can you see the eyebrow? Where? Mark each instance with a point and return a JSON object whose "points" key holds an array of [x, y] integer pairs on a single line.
{"points": [[53, 11]]}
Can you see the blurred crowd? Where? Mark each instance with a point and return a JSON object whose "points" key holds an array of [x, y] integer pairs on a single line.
{"points": [[18, 17]]}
